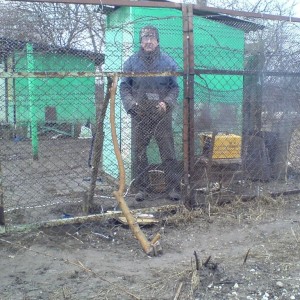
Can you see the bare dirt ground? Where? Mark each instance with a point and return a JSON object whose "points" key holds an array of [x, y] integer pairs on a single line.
{"points": [[246, 250]]}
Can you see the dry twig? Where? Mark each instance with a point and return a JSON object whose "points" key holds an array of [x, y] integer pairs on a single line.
{"points": [[178, 291], [246, 256]]}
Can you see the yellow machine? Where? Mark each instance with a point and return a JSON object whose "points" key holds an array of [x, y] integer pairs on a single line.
{"points": [[225, 146]]}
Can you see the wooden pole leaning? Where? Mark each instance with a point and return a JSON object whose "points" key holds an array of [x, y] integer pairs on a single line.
{"points": [[97, 149], [150, 248]]}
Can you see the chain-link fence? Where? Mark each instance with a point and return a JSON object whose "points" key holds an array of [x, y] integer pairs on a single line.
{"points": [[206, 108]]}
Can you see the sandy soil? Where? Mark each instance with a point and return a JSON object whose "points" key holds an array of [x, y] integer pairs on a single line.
{"points": [[245, 250]]}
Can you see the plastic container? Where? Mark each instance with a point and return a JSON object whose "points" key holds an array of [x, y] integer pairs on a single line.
{"points": [[226, 146], [157, 181]]}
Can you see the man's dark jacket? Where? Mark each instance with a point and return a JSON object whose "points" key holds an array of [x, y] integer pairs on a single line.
{"points": [[148, 91]]}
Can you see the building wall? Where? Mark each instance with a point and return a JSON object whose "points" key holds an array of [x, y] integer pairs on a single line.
{"points": [[72, 98], [219, 97]]}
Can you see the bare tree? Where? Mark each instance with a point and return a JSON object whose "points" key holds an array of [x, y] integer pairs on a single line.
{"points": [[63, 25], [280, 7], [279, 40]]}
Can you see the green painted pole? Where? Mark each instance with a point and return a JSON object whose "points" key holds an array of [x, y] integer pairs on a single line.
{"points": [[32, 104]]}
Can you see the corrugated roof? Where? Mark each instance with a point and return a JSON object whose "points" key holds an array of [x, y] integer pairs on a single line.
{"points": [[246, 26], [7, 45], [243, 25]]}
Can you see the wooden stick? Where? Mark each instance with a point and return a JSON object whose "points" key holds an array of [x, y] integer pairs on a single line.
{"points": [[178, 291], [97, 149], [146, 245], [197, 261], [246, 256], [85, 219], [155, 239]]}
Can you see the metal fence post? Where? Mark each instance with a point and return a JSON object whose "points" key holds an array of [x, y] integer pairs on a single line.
{"points": [[2, 219], [188, 104]]}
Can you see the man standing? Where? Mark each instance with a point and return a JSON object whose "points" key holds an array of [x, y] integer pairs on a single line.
{"points": [[150, 101]]}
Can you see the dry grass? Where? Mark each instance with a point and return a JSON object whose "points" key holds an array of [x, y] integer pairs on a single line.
{"points": [[170, 281], [237, 210], [256, 209]]}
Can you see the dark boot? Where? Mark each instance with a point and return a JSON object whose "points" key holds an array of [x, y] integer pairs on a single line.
{"points": [[141, 196], [174, 195]]}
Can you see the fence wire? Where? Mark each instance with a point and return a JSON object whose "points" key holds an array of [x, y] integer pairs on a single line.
{"points": [[57, 154]]}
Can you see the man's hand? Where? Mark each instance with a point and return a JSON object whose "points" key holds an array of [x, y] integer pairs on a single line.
{"points": [[162, 106]]}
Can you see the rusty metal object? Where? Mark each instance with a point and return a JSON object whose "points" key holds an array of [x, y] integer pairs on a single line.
{"points": [[188, 104]]}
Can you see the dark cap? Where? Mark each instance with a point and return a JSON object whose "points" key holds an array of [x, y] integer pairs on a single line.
{"points": [[149, 31]]}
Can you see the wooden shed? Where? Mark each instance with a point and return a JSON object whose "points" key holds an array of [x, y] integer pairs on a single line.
{"points": [[56, 99], [219, 43]]}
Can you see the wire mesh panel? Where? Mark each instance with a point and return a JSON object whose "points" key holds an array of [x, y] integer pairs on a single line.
{"points": [[55, 114], [58, 155], [48, 121], [246, 110], [47, 128], [149, 139]]}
